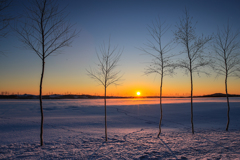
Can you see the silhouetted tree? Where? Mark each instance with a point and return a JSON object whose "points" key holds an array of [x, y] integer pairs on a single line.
{"points": [[44, 31], [105, 73], [5, 17], [194, 48], [159, 50], [227, 57]]}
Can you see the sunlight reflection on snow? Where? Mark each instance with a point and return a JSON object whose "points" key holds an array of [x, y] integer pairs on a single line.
{"points": [[140, 101]]}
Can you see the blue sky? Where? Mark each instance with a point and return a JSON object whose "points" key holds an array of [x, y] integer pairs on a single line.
{"points": [[126, 21]]}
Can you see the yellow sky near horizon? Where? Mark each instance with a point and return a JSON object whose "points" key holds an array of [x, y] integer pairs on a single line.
{"points": [[178, 85]]}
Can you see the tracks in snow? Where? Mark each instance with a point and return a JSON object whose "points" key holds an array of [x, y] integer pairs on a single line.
{"points": [[135, 117]]}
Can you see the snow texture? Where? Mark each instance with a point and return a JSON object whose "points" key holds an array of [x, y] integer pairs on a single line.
{"points": [[74, 129]]}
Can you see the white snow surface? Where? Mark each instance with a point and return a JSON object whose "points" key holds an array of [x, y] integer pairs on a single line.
{"points": [[74, 129]]}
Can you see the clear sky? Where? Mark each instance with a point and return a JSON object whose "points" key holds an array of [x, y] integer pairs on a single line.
{"points": [[126, 21]]}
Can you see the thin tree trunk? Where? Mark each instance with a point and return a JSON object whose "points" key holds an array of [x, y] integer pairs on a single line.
{"points": [[192, 102], [190, 70], [41, 107], [160, 121], [228, 118], [43, 65], [105, 113]]}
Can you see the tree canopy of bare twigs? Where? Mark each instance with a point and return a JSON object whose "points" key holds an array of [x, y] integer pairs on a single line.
{"points": [[238, 70], [105, 73], [227, 57], [5, 18], [193, 48], [43, 30], [161, 63]]}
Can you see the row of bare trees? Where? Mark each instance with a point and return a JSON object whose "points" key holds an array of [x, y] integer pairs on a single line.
{"points": [[44, 30], [224, 57]]}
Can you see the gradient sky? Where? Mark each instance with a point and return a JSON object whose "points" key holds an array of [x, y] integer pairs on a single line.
{"points": [[126, 21]]}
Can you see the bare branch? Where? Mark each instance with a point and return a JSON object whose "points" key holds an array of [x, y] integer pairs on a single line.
{"points": [[5, 16], [227, 52], [194, 46], [161, 62], [108, 58], [44, 25]]}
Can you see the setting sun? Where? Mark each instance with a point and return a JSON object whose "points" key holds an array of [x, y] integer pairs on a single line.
{"points": [[138, 93]]}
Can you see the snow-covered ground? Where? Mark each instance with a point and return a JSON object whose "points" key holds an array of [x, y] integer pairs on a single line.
{"points": [[74, 129]]}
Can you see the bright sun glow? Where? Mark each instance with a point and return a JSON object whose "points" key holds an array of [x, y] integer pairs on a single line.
{"points": [[138, 93]]}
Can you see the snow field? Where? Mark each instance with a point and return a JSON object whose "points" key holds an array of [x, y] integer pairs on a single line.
{"points": [[76, 131]]}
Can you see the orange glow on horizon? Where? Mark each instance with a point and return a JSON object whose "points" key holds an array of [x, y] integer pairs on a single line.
{"points": [[171, 88]]}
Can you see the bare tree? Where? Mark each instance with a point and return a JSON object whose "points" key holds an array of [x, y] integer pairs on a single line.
{"points": [[5, 17], [227, 57], [194, 48], [105, 74], [45, 31], [160, 52]]}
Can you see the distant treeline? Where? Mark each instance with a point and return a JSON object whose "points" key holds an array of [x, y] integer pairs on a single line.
{"points": [[70, 96]]}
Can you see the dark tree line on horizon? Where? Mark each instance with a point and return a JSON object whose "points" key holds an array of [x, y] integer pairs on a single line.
{"points": [[44, 30]]}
